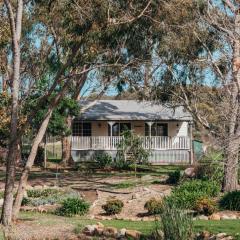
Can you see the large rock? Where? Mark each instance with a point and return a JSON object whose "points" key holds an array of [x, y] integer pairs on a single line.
{"points": [[202, 217], [221, 235], [215, 217], [205, 235], [89, 230], [121, 233], [110, 232], [99, 224], [190, 172], [133, 234]]}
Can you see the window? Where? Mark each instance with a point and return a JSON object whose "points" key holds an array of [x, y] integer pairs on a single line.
{"points": [[157, 129], [81, 128], [118, 128]]}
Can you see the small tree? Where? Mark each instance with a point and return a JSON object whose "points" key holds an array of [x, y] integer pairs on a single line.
{"points": [[131, 150]]}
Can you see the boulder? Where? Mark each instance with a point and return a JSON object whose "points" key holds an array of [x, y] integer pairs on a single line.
{"points": [[99, 231], [110, 232], [133, 234], [99, 224], [89, 230], [221, 235], [190, 172], [215, 217], [204, 235], [229, 217], [121, 233], [202, 217]]}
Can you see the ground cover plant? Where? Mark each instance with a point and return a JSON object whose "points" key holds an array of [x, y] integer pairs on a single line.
{"points": [[113, 206], [73, 206], [174, 177], [231, 201], [49, 196], [185, 195], [154, 206], [103, 160], [205, 206]]}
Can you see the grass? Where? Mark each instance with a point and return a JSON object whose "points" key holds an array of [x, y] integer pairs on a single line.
{"points": [[231, 227], [126, 184]]}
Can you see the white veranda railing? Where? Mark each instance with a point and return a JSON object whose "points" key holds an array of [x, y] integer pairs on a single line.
{"points": [[111, 143]]}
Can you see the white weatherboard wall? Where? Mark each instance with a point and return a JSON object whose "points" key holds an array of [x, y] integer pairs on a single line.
{"points": [[180, 131]]}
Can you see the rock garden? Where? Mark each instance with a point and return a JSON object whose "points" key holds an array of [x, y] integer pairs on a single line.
{"points": [[108, 204]]}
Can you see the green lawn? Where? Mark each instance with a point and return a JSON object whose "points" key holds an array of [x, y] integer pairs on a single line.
{"points": [[231, 227]]}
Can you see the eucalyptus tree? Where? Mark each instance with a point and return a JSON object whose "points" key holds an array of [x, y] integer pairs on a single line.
{"points": [[195, 63], [62, 41]]}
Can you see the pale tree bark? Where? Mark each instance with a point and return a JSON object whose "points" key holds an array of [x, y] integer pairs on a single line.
{"points": [[37, 140], [66, 145], [15, 25], [233, 140], [66, 142], [24, 176]]}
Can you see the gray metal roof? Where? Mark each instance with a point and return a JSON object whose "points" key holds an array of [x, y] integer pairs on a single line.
{"points": [[130, 110]]}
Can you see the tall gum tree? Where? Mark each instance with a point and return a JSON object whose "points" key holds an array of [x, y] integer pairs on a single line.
{"points": [[70, 36], [15, 20]]}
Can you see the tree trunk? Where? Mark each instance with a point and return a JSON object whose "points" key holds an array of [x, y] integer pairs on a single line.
{"points": [[233, 141], [231, 166], [66, 146], [37, 140], [12, 149], [66, 151], [29, 164]]}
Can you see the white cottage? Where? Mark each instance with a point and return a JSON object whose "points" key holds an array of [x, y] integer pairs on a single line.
{"points": [[166, 132]]}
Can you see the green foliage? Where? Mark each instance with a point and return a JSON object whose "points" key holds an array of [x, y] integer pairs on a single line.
{"points": [[121, 164], [176, 224], [174, 177], [231, 201], [103, 159], [48, 197], [26, 201], [57, 125], [210, 167], [42, 192], [154, 206], [113, 206], [73, 206], [130, 150], [205, 206], [186, 195]]}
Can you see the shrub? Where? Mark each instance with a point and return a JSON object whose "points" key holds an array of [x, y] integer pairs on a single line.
{"points": [[25, 201], [176, 224], [174, 177], [209, 188], [103, 160], [113, 206], [186, 195], [73, 206], [205, 206], [154, 206], [35, 193], [231, 201], [121, 164], [210, 167]]}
